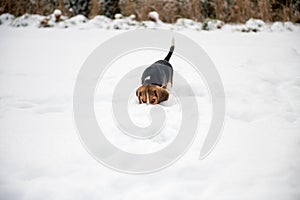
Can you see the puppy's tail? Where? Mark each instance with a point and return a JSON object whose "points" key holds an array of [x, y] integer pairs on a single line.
{"points": [[167, 58]]}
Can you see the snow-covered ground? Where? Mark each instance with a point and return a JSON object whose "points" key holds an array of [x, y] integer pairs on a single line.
{"points": [[257, 157]]}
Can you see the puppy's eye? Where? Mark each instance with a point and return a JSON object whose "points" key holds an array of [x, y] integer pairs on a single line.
{"points": [[143, 101], [155, 93], [153, 101]]}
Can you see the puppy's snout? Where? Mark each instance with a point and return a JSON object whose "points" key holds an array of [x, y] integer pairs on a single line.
{"points": [[152, 101]]}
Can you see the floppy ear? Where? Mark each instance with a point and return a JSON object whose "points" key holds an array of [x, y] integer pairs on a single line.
{"points": [[137, 93], [164, 95]]}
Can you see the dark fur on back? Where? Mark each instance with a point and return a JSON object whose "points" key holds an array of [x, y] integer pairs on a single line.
{"points": [[159, 73]]}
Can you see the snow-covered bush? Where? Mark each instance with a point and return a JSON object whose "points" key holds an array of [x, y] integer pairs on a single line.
{"points": [[55, 19], [128, 23], [154, 16], [282, 26], [212, 24], [183, 23], [27, 20], [46, 23], [118, 16], [6, 19], [78, 19], [289, 26], [253, 25], [277, 26], [100, 21], [124, 23], [57, 14]]}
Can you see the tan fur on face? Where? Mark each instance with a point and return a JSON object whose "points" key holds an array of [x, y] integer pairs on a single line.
{"points": [[155, 93]]}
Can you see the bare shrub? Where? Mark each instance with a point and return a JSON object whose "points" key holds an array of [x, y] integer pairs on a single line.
{"points": [[168, 10]]}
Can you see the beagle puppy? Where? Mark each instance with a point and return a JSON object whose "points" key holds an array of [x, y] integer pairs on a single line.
{"points": [[155, 80]]}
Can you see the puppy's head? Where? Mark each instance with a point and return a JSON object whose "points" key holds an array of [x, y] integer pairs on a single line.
{"points": [[152, 94]]}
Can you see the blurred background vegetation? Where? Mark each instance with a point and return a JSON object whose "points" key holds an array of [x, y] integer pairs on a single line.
{"points": [[169, 10]]}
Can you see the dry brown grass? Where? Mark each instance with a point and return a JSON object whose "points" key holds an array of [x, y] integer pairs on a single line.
{"points": [[20, 7], [171, 10], [94, 8], [228, 10]]}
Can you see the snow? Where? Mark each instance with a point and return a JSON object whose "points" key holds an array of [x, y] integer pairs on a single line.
{"points": [[183, 23], [6, 19], [78, 19], [118, 16], [129, 23], [255, 24], [282, 26], [132, 17], [57, 12], [154, 16], [257, 157], [212, 24], [27, 21], [100, 22]]}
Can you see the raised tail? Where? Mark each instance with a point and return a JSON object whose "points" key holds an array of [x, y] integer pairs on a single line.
{"points": [[167, 58]]}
